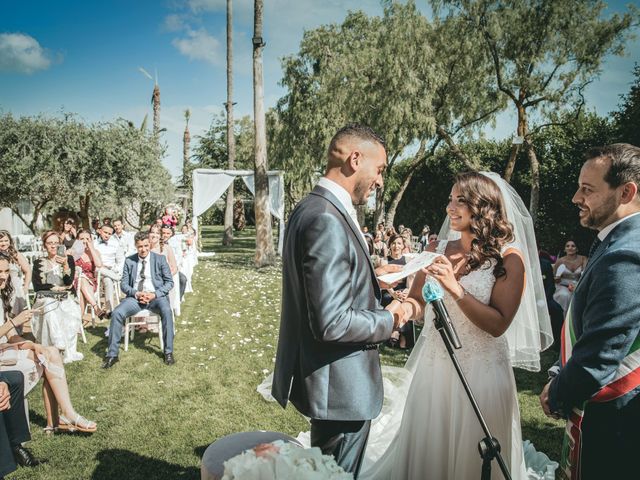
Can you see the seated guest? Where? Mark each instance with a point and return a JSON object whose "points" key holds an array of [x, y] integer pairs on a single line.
{"points": [[35, 361], [403, 337], [61, 319], [168, 239], [379, 247], [112, 260], [19, 266], [433, 237], [124, 239], [146, 281], [14, 429], [567, 271], [68, 233], [85, 283]]}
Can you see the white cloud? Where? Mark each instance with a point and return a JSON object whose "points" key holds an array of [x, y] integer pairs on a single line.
{"points": [[22, 53], [207, 5], [199, 45], [174, 23]]}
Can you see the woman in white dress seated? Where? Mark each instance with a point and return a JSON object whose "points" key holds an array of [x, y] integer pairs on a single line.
{"points": [[60, 321], [35, 361], [567, 271], [484, 279], [20, 268]]}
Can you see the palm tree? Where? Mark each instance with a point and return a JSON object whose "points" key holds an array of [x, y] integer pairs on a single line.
{"points": [[265, 254], [186, 140], [227, 238]]}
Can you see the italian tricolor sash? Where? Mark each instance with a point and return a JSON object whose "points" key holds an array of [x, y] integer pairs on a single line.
{"points": [[626, 378]]}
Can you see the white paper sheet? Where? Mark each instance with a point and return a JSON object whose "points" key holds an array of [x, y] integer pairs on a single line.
{"points": [[421, 261]]}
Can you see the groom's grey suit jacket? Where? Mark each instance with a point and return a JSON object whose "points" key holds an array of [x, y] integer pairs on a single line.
{"points": [[605, 311], [326, 363]]}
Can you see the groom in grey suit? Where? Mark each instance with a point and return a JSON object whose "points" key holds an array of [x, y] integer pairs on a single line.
{"points": [[327, 361], [601, 351]]}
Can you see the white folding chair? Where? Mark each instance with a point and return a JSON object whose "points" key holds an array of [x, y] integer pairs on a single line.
{"points": [[174, 295], [144, 318]]}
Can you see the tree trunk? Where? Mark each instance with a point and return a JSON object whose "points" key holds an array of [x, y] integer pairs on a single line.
{"points": [[470, 164], [265, 254], [84, 211], [416, 162], [155, 99], [534, 164], [34, 219], [515, 148], [378, 217], [227, 238], [393, 206]]}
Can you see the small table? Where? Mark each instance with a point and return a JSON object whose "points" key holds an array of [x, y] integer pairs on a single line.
{"points": [[224, 448]]}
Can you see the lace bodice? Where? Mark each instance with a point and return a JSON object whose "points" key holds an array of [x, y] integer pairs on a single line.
{"points": [[477, 345]]}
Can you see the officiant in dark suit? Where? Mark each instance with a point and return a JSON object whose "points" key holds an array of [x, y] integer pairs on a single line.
{"points": [[146, 281], [598, 385], [327, 361]]}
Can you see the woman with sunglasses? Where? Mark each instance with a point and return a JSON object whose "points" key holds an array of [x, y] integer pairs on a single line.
{"points": [[68, 234]]}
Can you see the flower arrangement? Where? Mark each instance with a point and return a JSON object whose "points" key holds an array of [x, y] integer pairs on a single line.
{"points": [[280, 460]]}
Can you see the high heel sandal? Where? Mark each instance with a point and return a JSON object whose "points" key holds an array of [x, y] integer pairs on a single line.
{"points": [[80, 424]]}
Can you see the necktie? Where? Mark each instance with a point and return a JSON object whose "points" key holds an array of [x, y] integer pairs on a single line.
{"points": [[142, 277], [594, 246]]}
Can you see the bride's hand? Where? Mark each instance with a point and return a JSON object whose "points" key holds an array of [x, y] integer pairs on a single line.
{"points": [[442, 270]]}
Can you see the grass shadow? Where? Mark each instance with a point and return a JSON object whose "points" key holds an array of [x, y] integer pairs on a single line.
{"points": [[117, 463]]}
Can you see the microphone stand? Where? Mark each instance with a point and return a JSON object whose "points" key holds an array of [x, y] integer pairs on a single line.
{"points": [[488, 447]]}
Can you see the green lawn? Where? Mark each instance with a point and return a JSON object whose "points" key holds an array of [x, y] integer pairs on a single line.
{"points": [[154, 422]]}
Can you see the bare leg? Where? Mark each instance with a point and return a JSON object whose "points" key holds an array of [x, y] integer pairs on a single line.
{"points": [[50, 404], [87, 293]]}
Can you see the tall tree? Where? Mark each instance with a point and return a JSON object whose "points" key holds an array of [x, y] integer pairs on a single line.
{"points": [[227, 238], [627, 118], [155, 101], [542, 59], [265, 254], [418, 83], [186, 142]]}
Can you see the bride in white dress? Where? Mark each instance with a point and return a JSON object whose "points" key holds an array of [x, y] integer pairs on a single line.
{"points": [[489, 274]]}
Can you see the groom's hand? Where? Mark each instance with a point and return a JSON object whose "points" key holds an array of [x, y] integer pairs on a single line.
{"points": [[399, 314]]}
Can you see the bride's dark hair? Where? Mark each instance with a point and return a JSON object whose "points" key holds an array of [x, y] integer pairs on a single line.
{"points": [[489, 224], [7, 292]]}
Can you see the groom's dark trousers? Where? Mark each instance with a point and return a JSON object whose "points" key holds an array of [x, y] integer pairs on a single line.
{"points": [[13, 422], [327, 364], [345, 441]]}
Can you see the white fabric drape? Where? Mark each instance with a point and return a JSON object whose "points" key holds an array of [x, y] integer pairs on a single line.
{"points": [[209, 185]]}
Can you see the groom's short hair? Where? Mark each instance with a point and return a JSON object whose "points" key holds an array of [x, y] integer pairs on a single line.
{"points": [[624, 166], [355, 130]]}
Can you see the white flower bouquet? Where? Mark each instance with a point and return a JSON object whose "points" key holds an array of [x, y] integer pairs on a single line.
{"points": [[283, 461]]}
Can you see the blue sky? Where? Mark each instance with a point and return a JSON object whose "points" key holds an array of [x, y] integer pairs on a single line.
{"points": [[84, 57]]}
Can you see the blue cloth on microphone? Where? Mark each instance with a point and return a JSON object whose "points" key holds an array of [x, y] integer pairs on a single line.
{"points": [[432, 290]]}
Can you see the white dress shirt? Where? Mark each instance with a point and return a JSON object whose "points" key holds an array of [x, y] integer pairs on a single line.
{"points": [[602, 234], [343, 197], [112, 256], [147, 286]]}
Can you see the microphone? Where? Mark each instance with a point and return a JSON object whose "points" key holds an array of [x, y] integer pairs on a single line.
{"points": [[433, 293]]}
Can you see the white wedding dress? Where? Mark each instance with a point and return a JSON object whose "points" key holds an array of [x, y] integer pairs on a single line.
{"points": [[438, 433]]}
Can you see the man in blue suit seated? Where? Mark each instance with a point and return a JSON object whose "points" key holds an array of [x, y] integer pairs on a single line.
{"points": [[146, 280], [597, 388]]}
